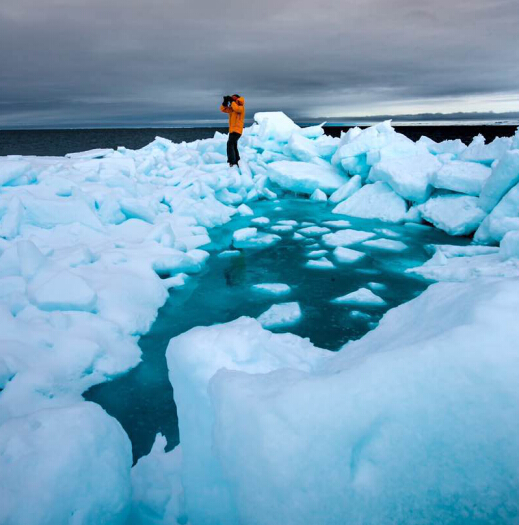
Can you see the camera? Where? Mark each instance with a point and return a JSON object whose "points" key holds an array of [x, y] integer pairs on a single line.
{"points": [[227, 100]]}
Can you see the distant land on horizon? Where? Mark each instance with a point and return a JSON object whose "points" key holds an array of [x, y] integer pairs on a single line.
{"points": [[459, 118]]}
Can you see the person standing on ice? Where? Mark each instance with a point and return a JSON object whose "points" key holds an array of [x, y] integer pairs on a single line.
{"points": [[235, 106]]}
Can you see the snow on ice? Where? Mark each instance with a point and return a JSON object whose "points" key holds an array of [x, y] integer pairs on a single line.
{"points": [[281, 314], [361, 296], [320, 264], [346, 237], [386, 244], [347, 255], [272, 288]]}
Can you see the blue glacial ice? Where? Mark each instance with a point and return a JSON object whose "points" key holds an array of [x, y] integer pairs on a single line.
{"points": [[412, 423]]}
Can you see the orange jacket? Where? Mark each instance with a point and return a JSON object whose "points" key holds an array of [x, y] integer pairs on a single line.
{"points": [[236, 115]]}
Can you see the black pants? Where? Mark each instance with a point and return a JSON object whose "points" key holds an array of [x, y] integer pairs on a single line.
{"points": [[233, 155]]}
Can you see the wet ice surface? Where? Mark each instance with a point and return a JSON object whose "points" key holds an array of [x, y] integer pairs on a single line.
{"points": [[142, 399]]}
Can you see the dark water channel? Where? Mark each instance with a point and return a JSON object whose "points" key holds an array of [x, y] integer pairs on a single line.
{"points": [[142, 399]]}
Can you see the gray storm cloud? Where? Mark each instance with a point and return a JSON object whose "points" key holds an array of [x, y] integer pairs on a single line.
{"points": [[91, 62]]}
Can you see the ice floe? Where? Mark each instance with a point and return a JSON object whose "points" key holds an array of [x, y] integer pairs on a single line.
{"points": [[346, 237], [281, 314], [386, 244], [320, 264], [360, 296], [271, 288], [347, 255]]}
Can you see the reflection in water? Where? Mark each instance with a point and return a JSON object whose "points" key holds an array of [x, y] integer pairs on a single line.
{"points": [[235, 273]]}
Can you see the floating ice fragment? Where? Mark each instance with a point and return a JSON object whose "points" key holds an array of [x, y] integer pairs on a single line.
{"points": [[346, 237], [357, 314], [260, 220], [377, 286], [341, 223], [347, 255], [229, 253], [319, 196], [282, 314], [320, 264], [244, 210], [244, 233], [386, 244], [313, 231], [261, 240], [386, 232], [282, 228], [361, 296], [271, 288], [316, 254]]}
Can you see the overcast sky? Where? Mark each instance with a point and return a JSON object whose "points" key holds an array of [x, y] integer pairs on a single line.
{"points": [[160, 62]]}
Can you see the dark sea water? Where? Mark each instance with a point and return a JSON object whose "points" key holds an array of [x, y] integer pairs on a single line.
{"points": [[59, 142]]}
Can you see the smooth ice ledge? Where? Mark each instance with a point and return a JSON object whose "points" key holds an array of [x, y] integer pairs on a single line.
{"points": [[282, 314]]}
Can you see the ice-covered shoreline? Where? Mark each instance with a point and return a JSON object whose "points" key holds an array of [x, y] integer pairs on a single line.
{"points": [[91, 244]]}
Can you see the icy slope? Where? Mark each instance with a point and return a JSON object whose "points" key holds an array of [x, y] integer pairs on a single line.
{"points": [[414, 423]]}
